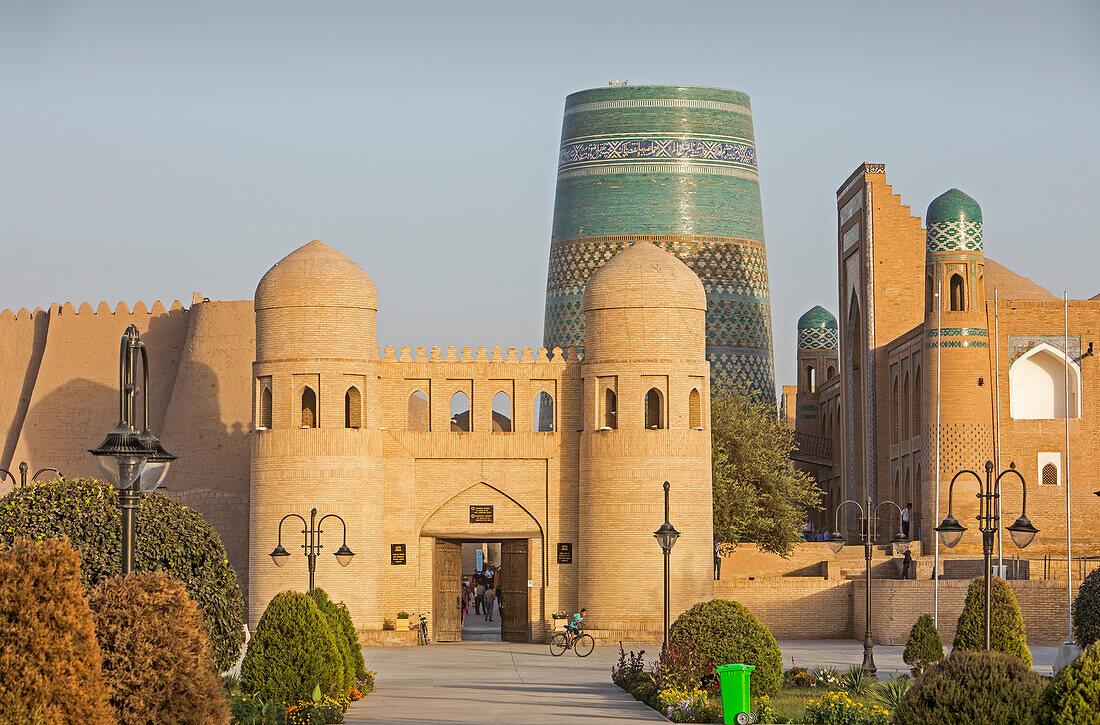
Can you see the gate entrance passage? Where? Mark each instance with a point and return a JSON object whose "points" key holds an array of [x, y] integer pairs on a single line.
{"points": [[512, 610]]}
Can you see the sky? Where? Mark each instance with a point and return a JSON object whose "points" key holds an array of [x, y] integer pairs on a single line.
{"points": [[151, 150]]}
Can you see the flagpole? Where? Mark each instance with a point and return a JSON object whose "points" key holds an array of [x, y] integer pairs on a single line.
{"points": [[997, 412], [935, 536], [1065, 470]]}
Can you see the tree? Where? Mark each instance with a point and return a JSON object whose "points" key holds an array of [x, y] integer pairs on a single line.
{"points": [[1086, 610], [156, 652], [50, 665], [1007, 633], [923, 646], [170, 538], [758, 495]]}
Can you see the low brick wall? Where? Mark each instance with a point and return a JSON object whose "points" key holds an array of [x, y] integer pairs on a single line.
{"points": [[795, 608], [896, 605]]}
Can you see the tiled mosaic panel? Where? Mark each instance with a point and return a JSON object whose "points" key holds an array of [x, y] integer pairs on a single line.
{"points": [[739, 339], [1020, 345], [954, 237], [618, 148], [962, 446], [818, 338]]}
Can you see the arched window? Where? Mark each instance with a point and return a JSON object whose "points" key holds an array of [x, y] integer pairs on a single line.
{"points": [[695, 410], [811, 379], [894, 414], [653, 413], [419, 415], [610, 409], [265, 408], [544, 413], [1050, 475], [1037, 385], [958, 293], [502, 412], [905, 408], [830, 373], [918, 401], [460, 412], [929, 293], [309, 408], [353, 408]]}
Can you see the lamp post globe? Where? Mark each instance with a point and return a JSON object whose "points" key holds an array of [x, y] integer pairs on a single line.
{"points": [[280, 555], [836, 542], [343, 555], [666, 537], [900, 542], [950, 531], [1022, 532]]}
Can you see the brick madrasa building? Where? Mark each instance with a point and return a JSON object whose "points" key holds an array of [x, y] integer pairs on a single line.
{"points": [[931, 327]]}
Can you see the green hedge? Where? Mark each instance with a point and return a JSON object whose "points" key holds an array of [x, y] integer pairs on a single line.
{"points": [[1073, 697], [1008, 625], [348, 628], [728, 633], [972, 688], [292, 652], [332, 617], [170, 538]]}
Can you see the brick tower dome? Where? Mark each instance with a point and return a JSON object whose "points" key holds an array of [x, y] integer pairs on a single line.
{"points": [[817, 330], [645, 302], [818, 350]]}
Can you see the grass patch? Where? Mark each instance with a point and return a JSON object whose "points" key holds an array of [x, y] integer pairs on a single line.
{"points": [[790, 702]]}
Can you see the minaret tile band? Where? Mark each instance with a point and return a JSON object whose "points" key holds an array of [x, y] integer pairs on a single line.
{"points": [[674, 166]]}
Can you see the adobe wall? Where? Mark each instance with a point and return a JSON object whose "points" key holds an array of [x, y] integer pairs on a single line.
{"points": [[795, 608], [22, 342]]}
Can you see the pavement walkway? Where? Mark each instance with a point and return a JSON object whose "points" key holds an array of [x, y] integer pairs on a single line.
{"points": [[506, 683]]}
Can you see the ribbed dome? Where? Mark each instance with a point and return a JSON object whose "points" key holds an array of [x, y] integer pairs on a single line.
{"points": [[316, 275], [953, 206], [818, 318], [644, 276]]}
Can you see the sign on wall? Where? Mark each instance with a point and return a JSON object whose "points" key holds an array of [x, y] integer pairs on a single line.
{"points": [[481, 514], [565, 552], [397, 554]]}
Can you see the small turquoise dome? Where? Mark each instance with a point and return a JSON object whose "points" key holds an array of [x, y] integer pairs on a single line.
{"points": [[817, 330], [954, 223], [817, 318], [953, 206]]}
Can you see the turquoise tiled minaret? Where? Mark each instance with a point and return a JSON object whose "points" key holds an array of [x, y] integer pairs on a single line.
{"points": [[675, 166]]}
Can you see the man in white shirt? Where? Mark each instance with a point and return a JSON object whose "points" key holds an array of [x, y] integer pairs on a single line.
{"points": [[905, 514]]}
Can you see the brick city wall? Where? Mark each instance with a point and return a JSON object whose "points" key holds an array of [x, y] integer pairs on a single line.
{"points": [[795, 608]]}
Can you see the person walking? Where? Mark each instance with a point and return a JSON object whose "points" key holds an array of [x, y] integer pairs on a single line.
{"points": [[906, 513], [487, 604], [465, 601], [717, 561], [906, 564], [479, 598]]}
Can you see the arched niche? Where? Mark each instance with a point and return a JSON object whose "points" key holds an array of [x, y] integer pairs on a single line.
{"points": [[1037, 385]]}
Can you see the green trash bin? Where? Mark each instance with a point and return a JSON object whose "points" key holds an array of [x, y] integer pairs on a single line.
{"points": [[736, 702]]}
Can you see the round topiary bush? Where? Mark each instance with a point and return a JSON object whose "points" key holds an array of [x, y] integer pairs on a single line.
{"points": [[972, 688], [923, 646], [50, 665], [1073, 697], [1007, 633], [170, 538], [1086, 610], [332, 618], [728, 633], [156, 652], [293, 651]]}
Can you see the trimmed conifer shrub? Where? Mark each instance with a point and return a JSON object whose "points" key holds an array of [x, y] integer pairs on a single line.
{"points": [[728, 633], [1073, 696], [50, 666], [156, 652], [170, 538], [972, 688], [1086, 610], [1007, 633], [332, 618], [923, 646], [347, 626], [292, 652]]}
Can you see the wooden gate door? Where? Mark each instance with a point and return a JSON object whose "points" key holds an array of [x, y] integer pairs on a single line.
{"points": [[515, 619], [447, 581]]}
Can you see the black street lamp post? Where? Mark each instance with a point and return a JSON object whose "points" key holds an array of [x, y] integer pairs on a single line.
{"points": [[837, 542], [23, 470], [666, 536], [312, 545], [1022, 531], [134, 462]]}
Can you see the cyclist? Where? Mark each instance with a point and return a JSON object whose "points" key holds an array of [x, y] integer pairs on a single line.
{"points": [[574, 627]]}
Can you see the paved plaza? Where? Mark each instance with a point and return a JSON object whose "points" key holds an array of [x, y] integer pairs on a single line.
{"points": [[502, 682]]}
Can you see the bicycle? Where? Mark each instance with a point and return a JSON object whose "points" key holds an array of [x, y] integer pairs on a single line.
{"points": [[580, 642], [422, 631]]}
